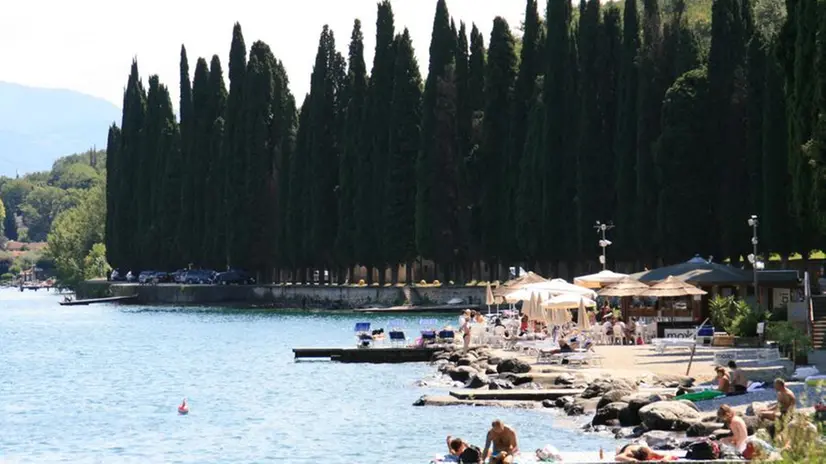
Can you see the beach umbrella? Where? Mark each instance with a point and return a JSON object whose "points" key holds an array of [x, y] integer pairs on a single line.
{"points": [[560, 286], [583, 321], [625, 287], [568, 301], [489, 295], [518, 283], [600, 279], [672, 287]]}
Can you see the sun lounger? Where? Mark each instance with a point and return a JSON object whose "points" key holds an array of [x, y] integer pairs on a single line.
{"points": [[363, 336], [446, 336], [397, 338]]}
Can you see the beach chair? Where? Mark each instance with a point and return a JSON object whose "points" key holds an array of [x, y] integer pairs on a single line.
{"points": [[396, 333], [446, 336], [428, 331], [363, 336]]}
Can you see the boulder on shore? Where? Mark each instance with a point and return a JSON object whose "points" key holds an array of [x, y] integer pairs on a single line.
{"points": [[668, 415], [602, 386], [660, 440], [513, 365], [500, 384], [564, 401], [477, 380], [612, 397], [547, 403], [461, 373], [565, 379], [702, 429], [608, 412], [641, 400]]}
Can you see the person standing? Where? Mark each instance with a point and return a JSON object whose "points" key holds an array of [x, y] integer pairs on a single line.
{"points": [[739, 383], [465, 330]]}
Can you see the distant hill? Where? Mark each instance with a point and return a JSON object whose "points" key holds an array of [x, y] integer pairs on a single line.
{"points": [[37, 126]]}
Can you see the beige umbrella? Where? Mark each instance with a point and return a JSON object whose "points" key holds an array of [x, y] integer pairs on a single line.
{"points": [[560, 286], [568, 301], [583, 321], [519, 282], [489, 295], [599, 279], [536, 311], [625, 287], [672, 287], [527, 307]]}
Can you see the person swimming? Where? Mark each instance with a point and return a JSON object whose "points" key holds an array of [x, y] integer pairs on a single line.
{"points": [[183, 408]]}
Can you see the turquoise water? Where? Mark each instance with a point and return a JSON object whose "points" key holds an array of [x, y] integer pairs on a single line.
{"points": [[101, 384]]}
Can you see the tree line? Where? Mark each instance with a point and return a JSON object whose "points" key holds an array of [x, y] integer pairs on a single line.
{"points": [[505, 154]]}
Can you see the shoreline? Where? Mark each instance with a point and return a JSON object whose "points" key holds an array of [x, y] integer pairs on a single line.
{"points": [[618, 402]]}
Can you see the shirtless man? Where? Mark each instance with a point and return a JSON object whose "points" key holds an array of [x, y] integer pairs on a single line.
{"points": [[640, 453], [739, 383], [784, 406], [739, 431], [723, 383], [504, 443]]}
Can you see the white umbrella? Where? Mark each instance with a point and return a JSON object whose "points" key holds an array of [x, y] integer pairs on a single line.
{"points": [[560, 286], [599, 279], [536, 311], [523, 294], [568, 301]]}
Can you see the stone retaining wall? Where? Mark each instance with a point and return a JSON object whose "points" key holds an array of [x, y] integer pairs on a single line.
{"points": [[310, 296]]}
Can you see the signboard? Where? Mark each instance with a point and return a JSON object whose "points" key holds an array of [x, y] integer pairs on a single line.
{"points": [[679, 333], [721, 358], [761, 326]]}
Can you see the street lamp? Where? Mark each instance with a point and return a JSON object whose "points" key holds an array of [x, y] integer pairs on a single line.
{"points": [[755, 263], [603, 243]]}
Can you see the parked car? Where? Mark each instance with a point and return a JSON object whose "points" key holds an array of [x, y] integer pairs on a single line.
{"points": [[162, 277], [130, 277], [146, 277], [178, 276], [117, 276], [234, 277], [199, 276]]}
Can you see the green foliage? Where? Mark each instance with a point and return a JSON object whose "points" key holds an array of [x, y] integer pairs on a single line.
{"points": [[6, 277], [787, 335], [94, 264], [735, 316], [74, 234], [2, 215]]}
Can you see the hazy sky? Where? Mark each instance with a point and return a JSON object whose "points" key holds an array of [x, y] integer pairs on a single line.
{"points": [[88, 45]]}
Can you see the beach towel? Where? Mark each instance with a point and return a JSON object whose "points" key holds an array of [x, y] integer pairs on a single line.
{"points": [[701, 396], [548, 454]]}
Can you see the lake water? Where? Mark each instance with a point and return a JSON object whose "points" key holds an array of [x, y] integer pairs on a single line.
{"points": [[101, 383]]}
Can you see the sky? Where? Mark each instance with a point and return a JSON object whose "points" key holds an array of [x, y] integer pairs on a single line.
{"points": [[88, 45]]}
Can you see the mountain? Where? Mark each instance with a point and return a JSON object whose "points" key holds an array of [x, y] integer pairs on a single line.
{"points": [[39, 125]]}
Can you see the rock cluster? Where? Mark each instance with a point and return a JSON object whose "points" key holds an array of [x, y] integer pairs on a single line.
{"points": [[476, 368]]}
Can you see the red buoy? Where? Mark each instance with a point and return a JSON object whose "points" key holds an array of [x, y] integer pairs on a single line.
{"points": [[183, 408]]}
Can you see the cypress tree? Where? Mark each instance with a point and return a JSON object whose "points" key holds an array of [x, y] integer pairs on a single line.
{"points": [[684, 165], [167, 193], [476, 71], [182, 233], [236, 202], [350, 172], [150, 220], [500, 75], [201, 127], [532, 178], [588, 199], [215, 163], [625, 140], [114, 175], [755, 101], [475, 104], [464, 127], [400, 188], [297, 203], [436, 152], [327, 79], [560, 100], [650, 95], [609, 63], [132, 197], [282, 139], [776, 224], [727, 130], [681, 50], [530, 66]]}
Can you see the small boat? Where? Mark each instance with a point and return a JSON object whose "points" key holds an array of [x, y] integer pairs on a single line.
{"points": [[183, 409]]}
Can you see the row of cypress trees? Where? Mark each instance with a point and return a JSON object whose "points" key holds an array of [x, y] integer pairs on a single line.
{"points": [[506, 155]]}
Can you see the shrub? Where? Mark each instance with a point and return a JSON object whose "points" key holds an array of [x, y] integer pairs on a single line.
{"points": [[735, 316], [789, 337], [6, 277]]}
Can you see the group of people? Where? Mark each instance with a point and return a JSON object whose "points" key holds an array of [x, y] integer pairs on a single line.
{"points": [[501, 444], [733, 382]]}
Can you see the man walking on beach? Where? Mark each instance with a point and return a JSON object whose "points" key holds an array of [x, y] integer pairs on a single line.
{"points": [[504, 443]]}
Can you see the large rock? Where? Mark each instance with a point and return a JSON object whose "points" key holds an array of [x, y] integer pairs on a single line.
{"points": [[702, 429], [564, 401], [494, 360], [755, 406], [465, 361], [500, 384], [672, 381], [689, 404], [574, 408], [477, 380], [516, 379], [565, 379], [628, 433], [637, 402], [548, 403], [513, 365], [668, 415], [602, 386], [612, 397], [461, 373], [608, 412], [454, 357]]}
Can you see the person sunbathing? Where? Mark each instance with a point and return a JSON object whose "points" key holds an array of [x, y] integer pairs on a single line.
{"points": [[739, 432], [640, 453], [461, 452]]}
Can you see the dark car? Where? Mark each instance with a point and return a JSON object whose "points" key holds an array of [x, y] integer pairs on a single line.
{"points": [[178, 276], [234, 277], [162, 277], [199, 276]]}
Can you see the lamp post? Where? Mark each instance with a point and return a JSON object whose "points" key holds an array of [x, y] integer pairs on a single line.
{"points": [[603, 243], [754, 223]]}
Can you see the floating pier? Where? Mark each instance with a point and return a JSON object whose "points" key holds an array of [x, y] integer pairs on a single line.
{"points": [[89, 301], [420, 309], [367, 355]]}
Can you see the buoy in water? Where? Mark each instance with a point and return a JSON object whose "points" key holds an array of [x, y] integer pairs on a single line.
{"points": [[183, 409]]}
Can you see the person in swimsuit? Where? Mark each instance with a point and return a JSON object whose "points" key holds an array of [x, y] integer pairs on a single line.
{"points": [[784, 406], [723, 382], [739, 383], [504, 442], [465, 329], [739, 431], [640, 453]]}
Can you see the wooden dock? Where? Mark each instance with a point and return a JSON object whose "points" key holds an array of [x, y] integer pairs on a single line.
{"points": [[89, 301], [530, 395], [367, 355], [420, 309]]}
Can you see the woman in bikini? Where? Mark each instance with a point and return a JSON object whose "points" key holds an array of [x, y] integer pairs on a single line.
{"points": [[640, 453]]}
